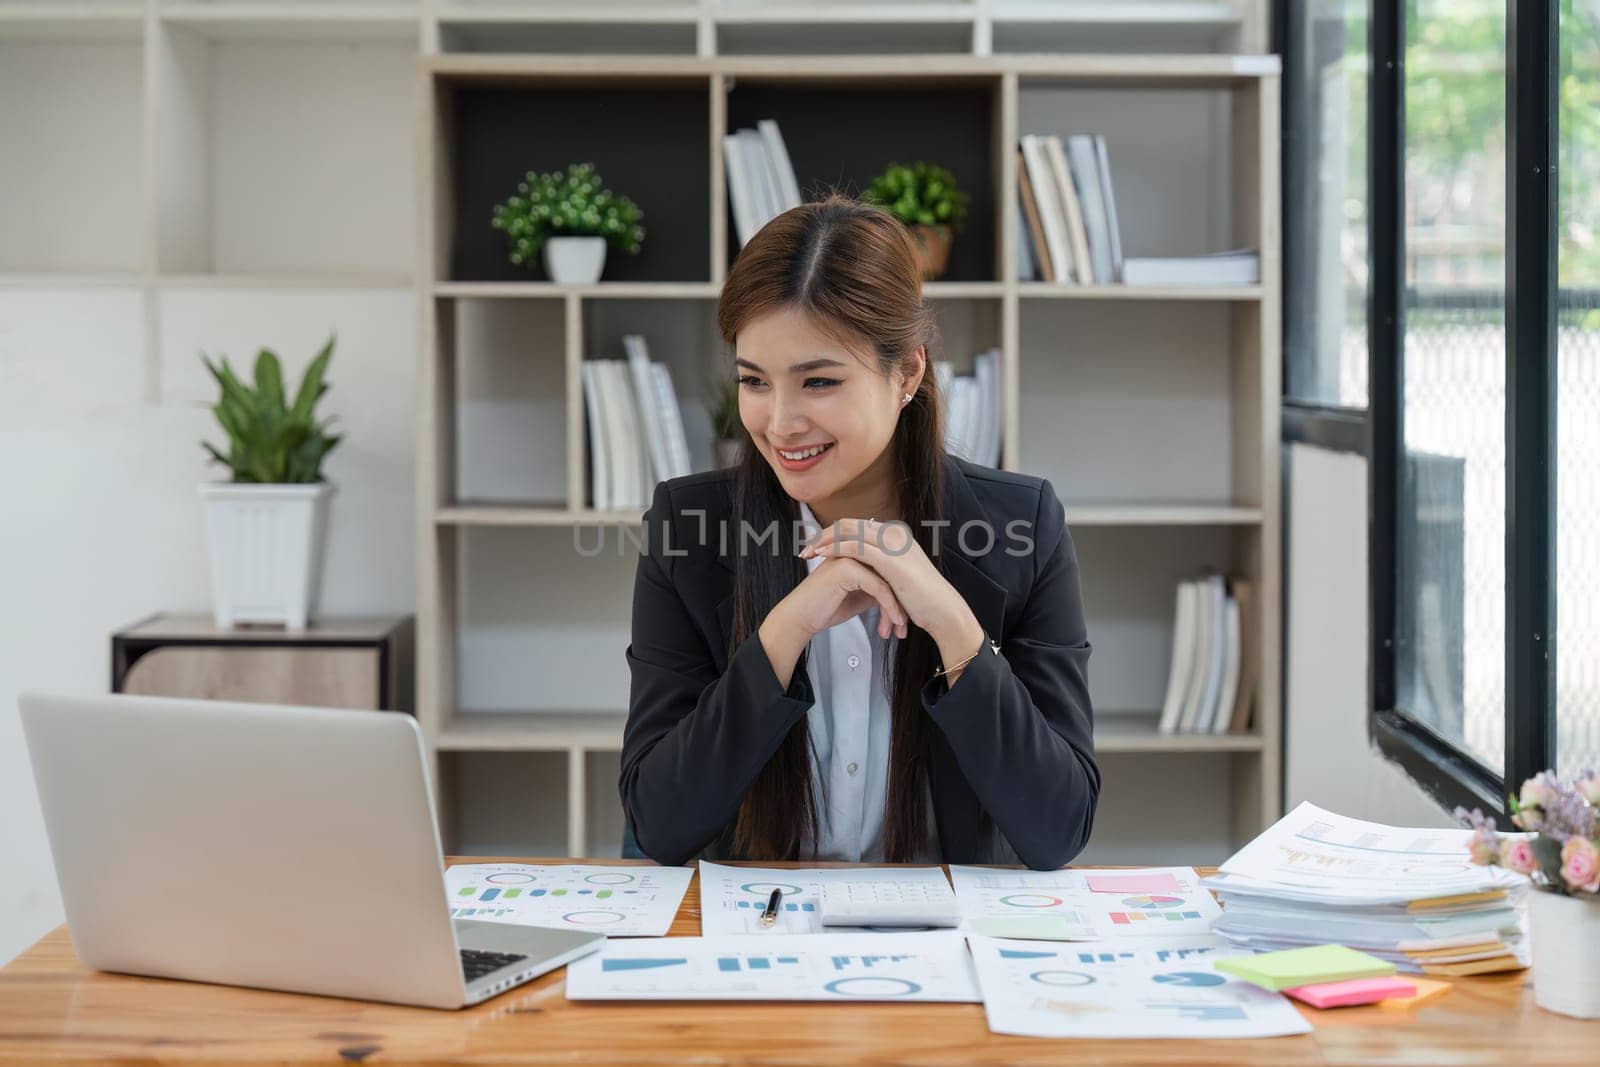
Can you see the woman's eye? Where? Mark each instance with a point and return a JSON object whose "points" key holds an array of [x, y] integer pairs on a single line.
{"points": [[820, 383], [749, 379]]}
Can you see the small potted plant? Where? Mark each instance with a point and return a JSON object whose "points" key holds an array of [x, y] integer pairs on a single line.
{"points": [[1558, 853], [924, 197], [571, 217], [725, 421], [266, 524]]}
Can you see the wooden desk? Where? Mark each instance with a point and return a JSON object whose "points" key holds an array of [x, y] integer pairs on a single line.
{"points": [[53, 1010]]}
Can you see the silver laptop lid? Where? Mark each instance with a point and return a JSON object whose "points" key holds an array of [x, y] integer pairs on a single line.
{"points": [[280, 847]]}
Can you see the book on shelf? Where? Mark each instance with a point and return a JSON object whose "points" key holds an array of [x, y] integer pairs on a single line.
{"points": [[1033, 225], [1052, 234], [974, 423], [761, 178], [1212, 674], [1069, 217], [1077, 234], [1091, 196], [1241, 266], [635, 427]]}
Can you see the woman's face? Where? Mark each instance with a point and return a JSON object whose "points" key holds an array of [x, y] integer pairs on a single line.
{"points": [[800, 390]]}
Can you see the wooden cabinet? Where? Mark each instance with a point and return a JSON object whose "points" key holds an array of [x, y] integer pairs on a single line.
{"points": [[336, 663]]}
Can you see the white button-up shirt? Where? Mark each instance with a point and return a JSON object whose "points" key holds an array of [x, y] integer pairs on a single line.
{"points": [[849, 666]]}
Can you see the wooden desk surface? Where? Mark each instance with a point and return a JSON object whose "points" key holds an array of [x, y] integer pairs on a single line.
{"points": [[54, 1010]]}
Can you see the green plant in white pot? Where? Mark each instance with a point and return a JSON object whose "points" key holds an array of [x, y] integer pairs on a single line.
{"points": [[571, 217], [267, 524]]}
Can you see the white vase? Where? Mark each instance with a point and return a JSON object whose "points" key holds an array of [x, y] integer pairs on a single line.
{"points": [[575, 260], [1566, 953], [266, 551]]}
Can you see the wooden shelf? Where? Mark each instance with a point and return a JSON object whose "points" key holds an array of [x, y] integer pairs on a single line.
{"points": [[1067, 291], [659, 14], [1157, 426], [1077, 515], [324, 22], [1161, 515], [1119, 732], [515, 515], [1192, 71], [599, 291], [531, 731], [71, 22], [554, 731], [176, 280]]}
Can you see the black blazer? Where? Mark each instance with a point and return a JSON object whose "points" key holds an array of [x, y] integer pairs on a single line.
{"points": [[1012, 769]]}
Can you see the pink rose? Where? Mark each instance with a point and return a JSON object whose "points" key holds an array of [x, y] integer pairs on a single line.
{"points": [[1484, 846], [1517, 855], [1537, 792], [1590, 788], [1580, 864]]}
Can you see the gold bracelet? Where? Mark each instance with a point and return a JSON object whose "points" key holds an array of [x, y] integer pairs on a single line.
{"points": [[946, 670]]}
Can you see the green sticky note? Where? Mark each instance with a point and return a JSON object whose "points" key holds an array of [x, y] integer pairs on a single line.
{"points": [[1304, 966]]}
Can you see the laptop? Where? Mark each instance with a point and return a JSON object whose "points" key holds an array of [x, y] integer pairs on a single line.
{"points": [[286, 848]]}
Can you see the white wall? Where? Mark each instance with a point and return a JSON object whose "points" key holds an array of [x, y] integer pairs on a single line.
{"points": [[101, 522], [1329, 759]]}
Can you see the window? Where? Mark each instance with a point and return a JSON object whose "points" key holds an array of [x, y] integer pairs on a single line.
{"points": [[1577, 733], [1450, 558], [1484, 351], [1325, 201]]}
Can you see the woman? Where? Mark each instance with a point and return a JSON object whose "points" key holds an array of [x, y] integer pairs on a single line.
{"points": [[909, 683]]}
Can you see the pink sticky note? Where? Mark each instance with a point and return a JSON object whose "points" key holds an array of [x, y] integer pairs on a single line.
{"points": [[1134, 882], [1355, 991]]}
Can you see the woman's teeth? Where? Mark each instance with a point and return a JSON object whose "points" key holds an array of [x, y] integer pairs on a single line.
{"points": [[804, 454]]}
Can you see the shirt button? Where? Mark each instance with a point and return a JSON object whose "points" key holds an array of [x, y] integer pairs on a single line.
{"points": [[854, 661], [852, 768]]}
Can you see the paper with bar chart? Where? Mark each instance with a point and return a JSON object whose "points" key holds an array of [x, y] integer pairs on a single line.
{"points": [[732, 898], [1096, 901], [1154, 987], [856, 966], [615, 901]]}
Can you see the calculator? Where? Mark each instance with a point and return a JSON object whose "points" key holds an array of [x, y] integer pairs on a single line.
{"points": [[864, 902]]}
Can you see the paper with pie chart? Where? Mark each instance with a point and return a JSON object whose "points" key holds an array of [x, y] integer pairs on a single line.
{"points": [[1182, 907], [732, 898], [615, 901], [840, 967], [1154, 987]]}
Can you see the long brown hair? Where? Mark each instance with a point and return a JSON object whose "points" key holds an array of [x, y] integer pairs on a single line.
{"points": [[853, 269]]}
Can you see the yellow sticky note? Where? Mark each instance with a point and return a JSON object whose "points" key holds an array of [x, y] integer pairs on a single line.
{"points": [[1305, 966]]}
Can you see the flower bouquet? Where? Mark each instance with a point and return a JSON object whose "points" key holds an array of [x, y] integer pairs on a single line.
{"points": [[1559, 854]]}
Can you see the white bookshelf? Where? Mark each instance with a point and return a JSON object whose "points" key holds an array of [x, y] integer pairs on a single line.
{"points": [[211, 171]]}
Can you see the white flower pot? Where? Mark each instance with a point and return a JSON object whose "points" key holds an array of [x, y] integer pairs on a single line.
{"points": [[1566, 953], [575, 260], [266, 551]]}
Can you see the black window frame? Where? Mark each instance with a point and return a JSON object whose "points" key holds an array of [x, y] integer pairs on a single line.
{"points": [[1436, 763]]}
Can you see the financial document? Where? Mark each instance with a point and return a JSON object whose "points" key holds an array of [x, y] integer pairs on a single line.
{"points": [[1153, 987], [615, 901], [1151, 901], [856, 966], [732, 898]]}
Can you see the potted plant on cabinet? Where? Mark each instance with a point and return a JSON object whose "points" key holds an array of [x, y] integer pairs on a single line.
{"points": [[1559, 855], [725, 422], [924, 197], [266, 524], [571, 217]]}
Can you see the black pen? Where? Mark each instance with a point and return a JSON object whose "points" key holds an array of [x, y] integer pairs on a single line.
{"points": [[769, 916]]}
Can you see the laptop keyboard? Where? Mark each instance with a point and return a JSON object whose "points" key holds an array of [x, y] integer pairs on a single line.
{"points": [[475, 964]]}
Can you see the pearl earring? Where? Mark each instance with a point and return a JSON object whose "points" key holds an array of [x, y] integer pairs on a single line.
{"points": [[906, 399]]}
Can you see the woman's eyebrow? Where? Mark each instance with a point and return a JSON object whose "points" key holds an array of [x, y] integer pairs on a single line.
{"points": [[798, 368]]}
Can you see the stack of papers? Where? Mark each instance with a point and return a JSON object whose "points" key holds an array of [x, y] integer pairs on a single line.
{"points": [[1409, 896]]}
